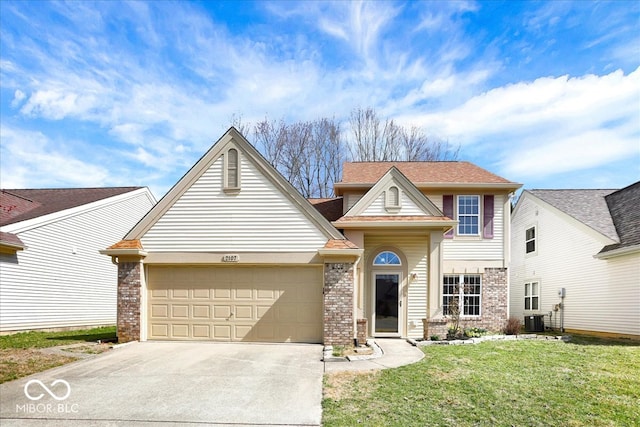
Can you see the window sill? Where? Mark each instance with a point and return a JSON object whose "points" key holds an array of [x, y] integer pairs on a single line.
{"points": [[231, 190]]}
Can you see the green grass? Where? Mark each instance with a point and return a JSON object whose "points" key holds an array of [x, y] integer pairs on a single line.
{"points": [[587, 382], [35, 339], [20, 355]]}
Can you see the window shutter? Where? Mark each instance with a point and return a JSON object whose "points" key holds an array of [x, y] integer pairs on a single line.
{"points": [[447, 208], [487, 218]]}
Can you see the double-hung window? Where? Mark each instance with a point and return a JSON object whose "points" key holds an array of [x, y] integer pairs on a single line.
{"points": [[532, 296], [468, 215], [462, 292], [530, 240]]}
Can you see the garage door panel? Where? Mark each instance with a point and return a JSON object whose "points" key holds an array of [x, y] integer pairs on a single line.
{"points": [[222, 332], [201, 293], [180, 293], [160, 311], [243, 312], [179, 330], [201, 331], [242, 332], [221, 294], [221, 312], [201, 311], [160, 330], [268, 304], [179, 311]]}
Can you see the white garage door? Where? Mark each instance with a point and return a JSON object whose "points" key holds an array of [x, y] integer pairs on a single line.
{"points": [[262, 304]]}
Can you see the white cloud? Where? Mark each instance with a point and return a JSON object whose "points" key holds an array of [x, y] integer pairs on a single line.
{"points": [[30, 159], [550, 125]]}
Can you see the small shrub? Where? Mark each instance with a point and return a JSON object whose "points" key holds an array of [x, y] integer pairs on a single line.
{"points": [[513, 326], [435, 338], [474, 332]]}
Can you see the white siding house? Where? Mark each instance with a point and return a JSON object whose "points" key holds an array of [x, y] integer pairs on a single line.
{"points": [[51, 273], [586, 242]]}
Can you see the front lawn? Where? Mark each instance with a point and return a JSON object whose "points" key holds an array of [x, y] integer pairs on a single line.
{"points": [[497, 383], [20, 355]]}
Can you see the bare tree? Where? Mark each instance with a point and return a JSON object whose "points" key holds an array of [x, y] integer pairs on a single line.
{"points": [[308, 154], [418, 147], [375, 141]]}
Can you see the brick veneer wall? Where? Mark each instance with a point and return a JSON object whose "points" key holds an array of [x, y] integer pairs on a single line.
{"points": [[129, 301], [494, 307], [494, 299], [338, 304]]}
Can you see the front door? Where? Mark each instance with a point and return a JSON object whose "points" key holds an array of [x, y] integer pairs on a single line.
{"points": [[387, 304]]}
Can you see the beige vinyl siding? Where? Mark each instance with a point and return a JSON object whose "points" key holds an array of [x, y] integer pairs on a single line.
{"points": [[472, 247], [352, 199], [415, 249], [60, 279], [377, 208], [257, 219], [601, 295]]}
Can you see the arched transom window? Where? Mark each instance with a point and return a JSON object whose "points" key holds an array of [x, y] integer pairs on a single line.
{"points": [[387, 258]]}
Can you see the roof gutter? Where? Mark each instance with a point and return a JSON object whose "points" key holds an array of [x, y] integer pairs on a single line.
{"points": [[618, 252]]}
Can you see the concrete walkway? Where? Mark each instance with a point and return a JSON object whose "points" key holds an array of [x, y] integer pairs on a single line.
{"points": [[395, 352]]}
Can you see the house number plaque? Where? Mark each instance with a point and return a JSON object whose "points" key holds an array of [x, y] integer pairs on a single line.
{"points": [[230, 258]]}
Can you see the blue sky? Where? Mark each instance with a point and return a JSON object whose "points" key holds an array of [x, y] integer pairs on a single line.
{"points": [[111, 94]]}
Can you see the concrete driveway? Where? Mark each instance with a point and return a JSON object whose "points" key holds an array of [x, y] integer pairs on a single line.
{"points": [[174, 383]]}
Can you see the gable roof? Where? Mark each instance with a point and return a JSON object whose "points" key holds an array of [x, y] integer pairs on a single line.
{"points": [[434, 174], [18, 205], [233, 138], [625, 213], [431, 214], [587, 206], [394, 176]]}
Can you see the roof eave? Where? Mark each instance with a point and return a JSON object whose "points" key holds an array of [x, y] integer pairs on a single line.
{"points": [[395, 224], [626, 250], [11, 247], [124, 252], [355, 253]]}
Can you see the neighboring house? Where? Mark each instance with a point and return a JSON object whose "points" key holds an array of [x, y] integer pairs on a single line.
{"points": [[586, 242], [234, 253], [51, 273]]}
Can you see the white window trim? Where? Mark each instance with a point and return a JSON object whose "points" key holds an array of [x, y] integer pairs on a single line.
{"points": [[461, 294], [225, 173], [530, 297], [535, 240], [478, 216]]}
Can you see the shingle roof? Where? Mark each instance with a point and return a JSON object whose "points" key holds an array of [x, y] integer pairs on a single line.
{"points": [[329, 208], [22, 204], [625, 212], [421, 172], [340, 244], [587, 206]]}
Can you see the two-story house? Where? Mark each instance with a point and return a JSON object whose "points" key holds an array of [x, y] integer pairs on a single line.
{"points": [[576, 260], [234, 253]]}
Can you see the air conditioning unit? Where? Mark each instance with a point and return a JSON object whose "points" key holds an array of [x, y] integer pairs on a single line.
{"points": [[534, 323]]}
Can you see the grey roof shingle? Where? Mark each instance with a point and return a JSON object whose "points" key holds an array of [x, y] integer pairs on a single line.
{"points": [[624, 206], [587, 206]]}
